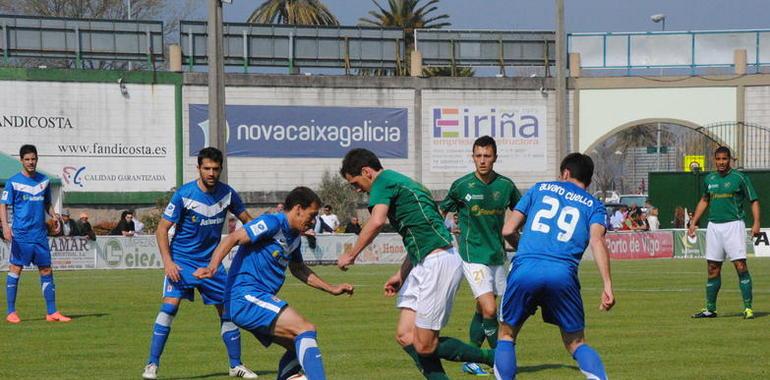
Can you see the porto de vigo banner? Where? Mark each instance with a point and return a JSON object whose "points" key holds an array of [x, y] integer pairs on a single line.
{"points": [[304, 131], [95, 136], [640, 245], [519, 131]]}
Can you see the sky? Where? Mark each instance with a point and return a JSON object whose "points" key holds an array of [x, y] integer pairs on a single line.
{"points": [[580, 15]]}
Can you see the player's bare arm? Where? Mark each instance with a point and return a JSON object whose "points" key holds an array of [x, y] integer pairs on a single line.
{"points": [[755, 213], [7, 233], [161, 235], [236, 238], [602, 259], [245, 217], [302, 272], [512, 226], [393, 284], [699, 210], [368, 233]]}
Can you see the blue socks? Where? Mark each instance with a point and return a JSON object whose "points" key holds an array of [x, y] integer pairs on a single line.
{"points": [[288, 365], [231, 336], [160, 331], [309, 355], [49, 292], [589, 362], [505, 360], [11, 284]]}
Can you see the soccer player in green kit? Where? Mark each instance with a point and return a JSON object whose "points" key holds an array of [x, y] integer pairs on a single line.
{"points": [[481, 198], [430, 275], [726, 189]]}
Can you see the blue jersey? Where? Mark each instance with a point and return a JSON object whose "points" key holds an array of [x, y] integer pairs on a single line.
{"points": [[260, 265], [199, 217], [28, 198], [559, 218]]}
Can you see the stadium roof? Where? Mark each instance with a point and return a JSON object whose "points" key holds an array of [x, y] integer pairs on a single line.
{"points": [[10, 166]]}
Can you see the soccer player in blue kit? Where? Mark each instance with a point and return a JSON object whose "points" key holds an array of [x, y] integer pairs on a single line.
{"points": [[268, 245], [28, 194], [198, 209], [560, 219]]}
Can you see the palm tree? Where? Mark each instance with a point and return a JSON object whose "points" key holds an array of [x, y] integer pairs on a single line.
{"points": [[293, 12], [409, 15]]}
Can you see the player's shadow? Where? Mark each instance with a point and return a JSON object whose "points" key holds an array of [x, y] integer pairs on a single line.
{"points": [[218, 374], [757, 314], [543, 367], [75, 316]]}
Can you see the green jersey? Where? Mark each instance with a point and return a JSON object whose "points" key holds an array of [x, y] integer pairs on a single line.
{"points": [[481, 207], [412, 212], [726, 195]]}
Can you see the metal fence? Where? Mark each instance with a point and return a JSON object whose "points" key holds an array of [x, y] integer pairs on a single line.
{"points": [[689, 50], [248, 45], [81, 39]]}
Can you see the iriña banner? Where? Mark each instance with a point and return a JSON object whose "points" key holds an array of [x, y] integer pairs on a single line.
{"points": [[304, 131]]}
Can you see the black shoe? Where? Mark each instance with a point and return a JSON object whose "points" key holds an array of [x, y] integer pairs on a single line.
{"points": [[705, 314]]}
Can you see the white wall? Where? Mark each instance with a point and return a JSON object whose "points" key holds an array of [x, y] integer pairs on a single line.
{"points": [[601, 111]]}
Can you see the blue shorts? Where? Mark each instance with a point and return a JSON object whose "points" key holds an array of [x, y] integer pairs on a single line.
{"points": [[552, 286], [256, 312], [212, 290], [24, 253]]}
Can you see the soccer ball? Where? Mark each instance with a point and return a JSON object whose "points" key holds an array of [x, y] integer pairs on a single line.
{"points": [[298, 376]]}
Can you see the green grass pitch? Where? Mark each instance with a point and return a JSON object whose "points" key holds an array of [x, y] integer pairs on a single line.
{"points": [[649, 334]]}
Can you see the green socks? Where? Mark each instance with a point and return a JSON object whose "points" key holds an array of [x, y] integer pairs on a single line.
{"points": [[429, 366], [483, 328], [458, 351], [490, 331], [744, 282], [476, 331], [712, 289]]}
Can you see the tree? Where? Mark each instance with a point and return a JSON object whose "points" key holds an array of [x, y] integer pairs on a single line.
{"points": [[409, 15], [293, 12], [168, 11], [336, 192]]}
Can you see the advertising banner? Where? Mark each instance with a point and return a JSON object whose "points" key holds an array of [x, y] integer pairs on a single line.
{"points": [[72, 252], [387, 248], [519, 131], [66, 253], [640, 245], [118, 252], [686, 248], [762, 243], [95, 136], [689, 248], [304, 131]]}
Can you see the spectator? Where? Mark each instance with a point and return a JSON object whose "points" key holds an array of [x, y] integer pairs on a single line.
{"points": [[330, 223], [652, 219], [231, 225], [618, 218], [455, 224], [84, 227], [125, 226], [53, 227], [353, 227], [68, 226], [138, 225], [640, 219], [278, 208], [450, 223], [678, 221]]}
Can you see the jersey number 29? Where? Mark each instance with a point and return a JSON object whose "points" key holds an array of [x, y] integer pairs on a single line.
{"points": [[566, 221]]}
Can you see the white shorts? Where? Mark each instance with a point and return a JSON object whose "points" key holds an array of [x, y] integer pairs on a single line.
{"points": [[726, 239], [430, 289], [485, 278]]}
